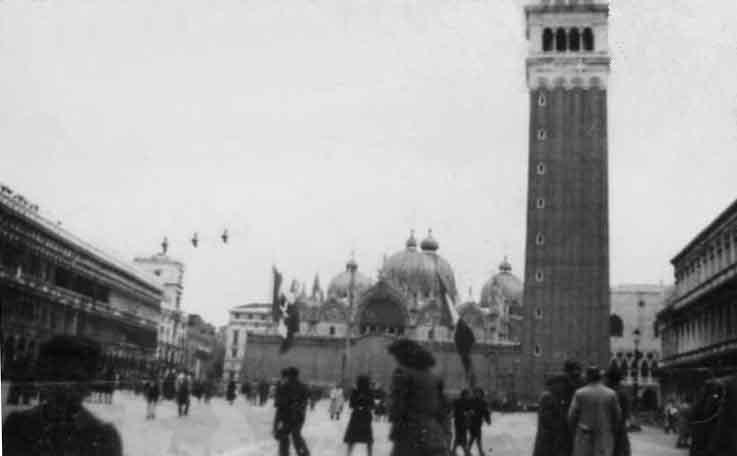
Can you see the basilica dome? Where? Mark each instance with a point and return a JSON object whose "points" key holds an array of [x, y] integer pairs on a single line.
{"points": [[417, 273], [341, 283], [504, 287]]}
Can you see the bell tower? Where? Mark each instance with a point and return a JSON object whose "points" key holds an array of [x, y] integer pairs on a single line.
{"points": [[566, 297]]}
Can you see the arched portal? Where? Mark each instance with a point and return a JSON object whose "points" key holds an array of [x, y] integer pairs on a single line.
{"points": [[381, 311]]}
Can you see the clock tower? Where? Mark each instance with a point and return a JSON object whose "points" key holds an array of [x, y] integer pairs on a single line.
{"points": [[566, 297]]}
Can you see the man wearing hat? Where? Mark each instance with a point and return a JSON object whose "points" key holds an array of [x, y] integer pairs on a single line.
{"points": [[594, 417], [61, 424], [290, 400]]}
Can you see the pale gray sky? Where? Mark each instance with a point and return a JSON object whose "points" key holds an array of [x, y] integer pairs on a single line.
{"points": [[312, 128]]}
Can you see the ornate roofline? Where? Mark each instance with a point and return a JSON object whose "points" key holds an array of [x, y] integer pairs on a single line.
{"points": [[56, 232]]}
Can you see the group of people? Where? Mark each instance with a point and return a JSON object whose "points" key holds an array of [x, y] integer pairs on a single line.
{"points": [[583, 416], [420, 414], [469, 414], [183, 388], [256, 392], [675, 419]]}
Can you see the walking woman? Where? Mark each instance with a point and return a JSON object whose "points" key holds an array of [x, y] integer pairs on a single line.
{"points": [[359, 424], [415, 406]]}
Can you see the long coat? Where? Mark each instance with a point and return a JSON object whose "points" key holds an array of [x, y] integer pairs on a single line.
{"points": [[291, 407], [415, 412], [553, 435], [359, 425], [726, 442], [595, 418], [28, 433]]}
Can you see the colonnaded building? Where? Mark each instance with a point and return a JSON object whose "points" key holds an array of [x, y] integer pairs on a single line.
{"points": [[564, 308], [52, 282], [699, 322]]}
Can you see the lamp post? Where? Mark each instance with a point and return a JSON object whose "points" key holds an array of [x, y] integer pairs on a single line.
{"points": [[634, 425], [348, 323]]}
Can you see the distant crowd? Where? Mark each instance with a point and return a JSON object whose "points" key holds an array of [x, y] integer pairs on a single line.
{"points": [[581, 412]]}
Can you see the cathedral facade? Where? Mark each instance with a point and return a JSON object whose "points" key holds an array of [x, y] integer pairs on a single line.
{"points": [[345, 331]]}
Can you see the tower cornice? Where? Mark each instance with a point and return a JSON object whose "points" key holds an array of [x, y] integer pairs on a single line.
{"points": [[568, 71]]}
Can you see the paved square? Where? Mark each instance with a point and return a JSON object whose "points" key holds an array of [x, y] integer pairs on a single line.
{"points": [[244, 430]]}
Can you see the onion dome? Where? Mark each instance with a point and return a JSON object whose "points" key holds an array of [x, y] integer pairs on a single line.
{"points": [[341, 283], [502, 287], [411, 241], [418, 273], [429, 244]]}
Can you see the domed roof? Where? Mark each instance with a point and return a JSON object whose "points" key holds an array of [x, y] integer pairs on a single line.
{"points": [[418, 273], [341, 283], [503, 285], [429, 244]]}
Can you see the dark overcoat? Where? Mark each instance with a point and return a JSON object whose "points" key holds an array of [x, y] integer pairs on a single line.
{"points": [[415, 413], [32, 433]]}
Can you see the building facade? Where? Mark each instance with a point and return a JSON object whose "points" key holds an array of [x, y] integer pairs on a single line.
{"points": [[566, 296], [347, 333], [172, 327], [634, 338], [199, 348], [254, 318], [52, 282], [699, 323]]}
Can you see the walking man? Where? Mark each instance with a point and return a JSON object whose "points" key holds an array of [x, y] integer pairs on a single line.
{"points": [[461, 422], [151, 392], [183, 390], [479, 414], [291, 400], [594, 417]]}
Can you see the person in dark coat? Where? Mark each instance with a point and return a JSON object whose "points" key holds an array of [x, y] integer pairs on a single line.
{"points": [[230, 393], [263, 392], [291, 398], [712, 419], [552, 437], [183, 386], [622, 439], [725, 440], [151, 392], [446, 415], [415, 403], [479, 414], [461, 422], [359, 424], [61, 424]]}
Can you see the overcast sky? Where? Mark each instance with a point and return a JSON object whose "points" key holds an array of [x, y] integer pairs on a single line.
{"points": [[314, 128]]}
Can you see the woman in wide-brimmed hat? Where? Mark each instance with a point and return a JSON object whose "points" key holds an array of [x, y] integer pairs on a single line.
{"points": [[416, 404]]}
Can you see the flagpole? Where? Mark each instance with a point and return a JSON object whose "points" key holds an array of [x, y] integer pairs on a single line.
{"points": [[346, 364]]}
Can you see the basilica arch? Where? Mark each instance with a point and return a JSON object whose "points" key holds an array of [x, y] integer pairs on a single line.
{"points": [[381, 310]]}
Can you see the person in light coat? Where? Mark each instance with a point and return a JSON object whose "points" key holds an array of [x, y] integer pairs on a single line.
{"points": [[594, 417], [336, 402]]}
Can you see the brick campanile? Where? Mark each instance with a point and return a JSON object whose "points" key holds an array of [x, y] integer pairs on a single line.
{"points": [[566, 298]]}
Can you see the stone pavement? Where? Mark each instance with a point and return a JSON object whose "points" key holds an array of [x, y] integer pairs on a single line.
{"points": [[244, 430]]}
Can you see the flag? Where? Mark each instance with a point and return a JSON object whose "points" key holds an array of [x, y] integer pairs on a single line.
{"points": [[463, 335], [285, 313], [290, 323], [276, 302]]}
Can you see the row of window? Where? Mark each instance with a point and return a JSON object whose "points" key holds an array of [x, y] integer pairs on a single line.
{"points": [[563, 40], [251, 316], [721, 253]]}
